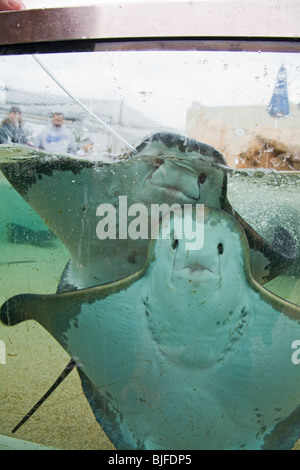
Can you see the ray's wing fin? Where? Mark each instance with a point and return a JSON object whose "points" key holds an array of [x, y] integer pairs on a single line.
{"points": [[267, 260], [285, 433]]}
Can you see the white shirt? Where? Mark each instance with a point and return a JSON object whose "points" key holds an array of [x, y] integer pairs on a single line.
{"points": [[56, 140]]}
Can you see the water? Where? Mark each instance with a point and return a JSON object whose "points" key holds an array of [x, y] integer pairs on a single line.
{"points": [[34, 359], [135, 92], [266, 200]]}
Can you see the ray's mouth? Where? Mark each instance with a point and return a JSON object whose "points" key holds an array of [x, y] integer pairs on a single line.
{"points": [[195, 268], [172, 189]]}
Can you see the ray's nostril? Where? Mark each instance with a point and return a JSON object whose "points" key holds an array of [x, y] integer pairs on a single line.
{"points": [[158, 162], [201, 178], [175, 244], [220, 249]]}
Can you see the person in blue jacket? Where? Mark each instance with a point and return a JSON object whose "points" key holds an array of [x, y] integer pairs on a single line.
{"points": [[11, 130]]}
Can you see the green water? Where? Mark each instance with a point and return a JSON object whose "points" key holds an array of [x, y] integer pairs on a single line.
{"points": [[14, 209], [38, 268], [34, 359], [266, 200]]}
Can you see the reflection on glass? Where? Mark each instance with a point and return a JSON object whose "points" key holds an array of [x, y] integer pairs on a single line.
{"points": [[91, 144]]}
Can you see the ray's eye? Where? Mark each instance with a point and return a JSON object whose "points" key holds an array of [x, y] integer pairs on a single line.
{"points": [[220, 249], [175, 244], [202, 178]]}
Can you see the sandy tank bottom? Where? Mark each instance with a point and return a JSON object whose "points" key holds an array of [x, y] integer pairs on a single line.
{"points": [[34, 360]]}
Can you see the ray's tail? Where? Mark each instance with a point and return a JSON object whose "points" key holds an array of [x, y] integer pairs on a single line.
{"points": [[69, 367], [26, 307]]}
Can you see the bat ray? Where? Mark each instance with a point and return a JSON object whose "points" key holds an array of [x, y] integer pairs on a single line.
{"points": [[18, 234], [165, 169], [190, 352]]}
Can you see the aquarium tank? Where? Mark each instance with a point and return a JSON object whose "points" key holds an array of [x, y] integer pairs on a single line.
{"points": [[150, 227]]}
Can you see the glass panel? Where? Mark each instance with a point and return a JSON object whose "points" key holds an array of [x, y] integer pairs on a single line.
{"points": [[91, 145]]}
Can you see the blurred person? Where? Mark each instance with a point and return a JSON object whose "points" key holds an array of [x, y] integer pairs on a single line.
{"points": [[55, 138], [11, 130], [86, 147]]}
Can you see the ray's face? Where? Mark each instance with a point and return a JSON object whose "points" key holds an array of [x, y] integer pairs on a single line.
{"points": [[197, 267], [200, 293], [189, 180], [218, 258]]}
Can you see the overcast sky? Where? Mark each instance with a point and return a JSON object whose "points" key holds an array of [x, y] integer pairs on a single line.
{"points": [[159, 84]]}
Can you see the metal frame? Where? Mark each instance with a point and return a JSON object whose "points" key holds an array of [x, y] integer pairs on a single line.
{"points": [[214, 25]]}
